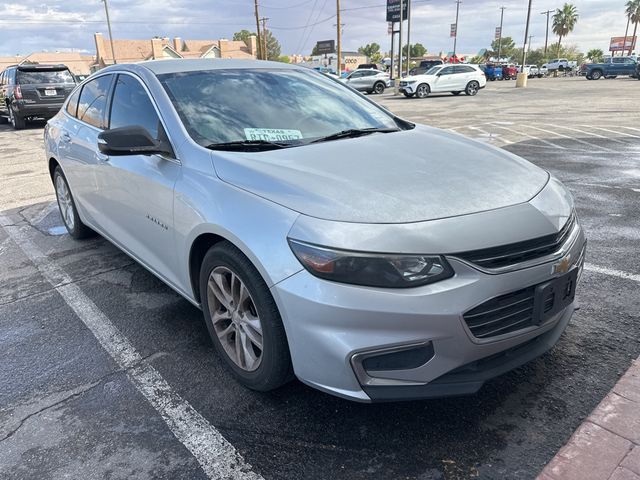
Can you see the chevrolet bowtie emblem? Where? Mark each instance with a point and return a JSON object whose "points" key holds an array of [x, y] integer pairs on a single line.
{"points": [[563, 265]]}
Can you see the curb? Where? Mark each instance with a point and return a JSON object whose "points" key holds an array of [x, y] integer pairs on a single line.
{"points": [[607, 444]]}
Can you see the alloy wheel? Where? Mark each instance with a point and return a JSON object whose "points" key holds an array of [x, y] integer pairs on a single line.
{"points": [[472, 88], [422, 91], [379, 88], [64, 202], [235, 318]]}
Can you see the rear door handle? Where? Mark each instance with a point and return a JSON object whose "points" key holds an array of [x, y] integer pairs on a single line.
{"points": [[65, 137]]}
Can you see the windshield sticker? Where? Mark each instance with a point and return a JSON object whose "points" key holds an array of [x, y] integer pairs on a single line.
{"points": [[272, 134]]}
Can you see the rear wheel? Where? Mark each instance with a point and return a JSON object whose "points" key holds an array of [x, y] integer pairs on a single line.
{"points": [[67, 206], [16, 120], [472, 88], [378, 88], [423, 90], [243, 319]]}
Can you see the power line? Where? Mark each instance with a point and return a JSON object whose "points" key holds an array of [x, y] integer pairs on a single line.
{"points": [[306, 25]]}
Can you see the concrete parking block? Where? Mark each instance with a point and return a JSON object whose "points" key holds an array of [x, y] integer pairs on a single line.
{"points": [[624, 474], [618, 415], [592, 453], [629, 385]]}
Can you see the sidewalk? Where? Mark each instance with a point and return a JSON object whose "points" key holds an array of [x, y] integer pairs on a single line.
{"points": [[607, 444]]}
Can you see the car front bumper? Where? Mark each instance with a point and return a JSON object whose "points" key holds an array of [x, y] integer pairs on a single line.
{"points": [[332, 328]]}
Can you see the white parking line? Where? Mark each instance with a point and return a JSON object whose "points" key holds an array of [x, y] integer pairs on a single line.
{"points": [[217, 457], [491, 136], [43, 213], [614, 131], [587, 133], [610, 271], [551, 144], [570, 138]]}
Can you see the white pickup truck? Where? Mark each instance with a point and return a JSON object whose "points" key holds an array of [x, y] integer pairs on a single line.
{"points": [[561, 64]]}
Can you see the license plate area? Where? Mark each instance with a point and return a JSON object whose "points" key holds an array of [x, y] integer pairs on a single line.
{"points": [[554, 296], [50, 92]]}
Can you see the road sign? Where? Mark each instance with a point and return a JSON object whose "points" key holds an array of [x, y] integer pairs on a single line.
{"points": [[498, 32], [325, 46], [393, 10], [454, 30]]}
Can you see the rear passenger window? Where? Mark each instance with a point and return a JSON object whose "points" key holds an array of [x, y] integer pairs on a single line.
{"points": [[72, 104], [93, 100], [131, 106]]}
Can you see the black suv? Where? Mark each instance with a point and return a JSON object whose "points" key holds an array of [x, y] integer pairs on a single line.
{"points": [[33, 91], [425, 66]]}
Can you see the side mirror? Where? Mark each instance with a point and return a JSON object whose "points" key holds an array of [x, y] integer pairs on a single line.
{"points": [[133, 140]]}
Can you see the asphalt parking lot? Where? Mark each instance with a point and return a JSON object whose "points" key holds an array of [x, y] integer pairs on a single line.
{"points": [[70, 409]]}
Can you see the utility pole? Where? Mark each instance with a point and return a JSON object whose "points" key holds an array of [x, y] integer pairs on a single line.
{"points": [[455, 39], [526, 35], [400, 40], [546, 38], [113, 52], [258, 31], [408, 35], [265, 52], [499, 36], [339, 35]]}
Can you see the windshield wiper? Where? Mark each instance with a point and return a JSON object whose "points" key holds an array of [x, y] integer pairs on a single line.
{"points": [[354, 132], [249, 145]]}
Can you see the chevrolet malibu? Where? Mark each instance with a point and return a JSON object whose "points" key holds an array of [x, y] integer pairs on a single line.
{"points": [[323, 237]]}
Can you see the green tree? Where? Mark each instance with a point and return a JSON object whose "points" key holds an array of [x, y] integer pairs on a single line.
{"points": [[507, 47], [595, 55], [633, 13], [371, 50], [284, 59], [564, 21], [273, 46], [417, 50]]}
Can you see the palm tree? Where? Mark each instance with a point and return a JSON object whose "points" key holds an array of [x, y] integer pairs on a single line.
{"points": [[595, 55], [564, 21], [633, 12]]}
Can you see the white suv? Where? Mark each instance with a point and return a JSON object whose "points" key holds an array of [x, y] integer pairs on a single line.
{"points": [[445, 78]]}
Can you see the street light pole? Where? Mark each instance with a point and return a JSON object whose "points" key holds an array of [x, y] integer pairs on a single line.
{"points": [[499, 36], [106, 10], [526, 35], [546, 38], [455, 38], [339, 38], [400, 41], [408, 35]]}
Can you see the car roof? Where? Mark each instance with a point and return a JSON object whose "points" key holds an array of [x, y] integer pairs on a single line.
{"points": [[200, 64]]}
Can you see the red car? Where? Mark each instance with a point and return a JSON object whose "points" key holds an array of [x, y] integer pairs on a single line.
{"points": [[509, 72]]}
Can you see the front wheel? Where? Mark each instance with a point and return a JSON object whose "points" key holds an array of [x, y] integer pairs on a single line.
{"points": [[472, 88], [596, 74], [423, 90], [243, 320], [378, 88], [67, 206]]}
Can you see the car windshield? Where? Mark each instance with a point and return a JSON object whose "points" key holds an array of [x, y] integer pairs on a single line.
{"points": [[433, 70], [275, 105], [44, 76]]}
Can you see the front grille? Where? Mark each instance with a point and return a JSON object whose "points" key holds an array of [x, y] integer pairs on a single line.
{"points": [[514, 253], [404, 84]]}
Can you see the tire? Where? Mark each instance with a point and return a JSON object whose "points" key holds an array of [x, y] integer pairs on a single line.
{"points": [[260, 369], [472, 89], [67, 206], [423, 90], [596, 75], [16, 120], [408, 95], [493, 79], [588, 77], [456, 93], [378, 88]]}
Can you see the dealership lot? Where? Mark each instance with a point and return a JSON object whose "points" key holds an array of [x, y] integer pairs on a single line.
{"points": [[108, 373]]}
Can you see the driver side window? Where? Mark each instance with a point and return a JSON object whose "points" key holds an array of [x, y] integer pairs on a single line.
{"points": [[131, 106]]}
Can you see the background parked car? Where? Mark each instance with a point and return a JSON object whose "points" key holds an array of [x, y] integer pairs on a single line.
{"points": [[425, 66], [611, 68], [445, 78], [491, 71], [33, 91], [509, 72], [370, 81], [370, 66]]}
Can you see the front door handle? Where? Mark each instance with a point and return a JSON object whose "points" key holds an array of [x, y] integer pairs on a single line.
{"points": [[65, 137]]}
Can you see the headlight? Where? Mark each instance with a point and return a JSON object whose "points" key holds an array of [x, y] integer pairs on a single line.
{"points": [[371, 269]]}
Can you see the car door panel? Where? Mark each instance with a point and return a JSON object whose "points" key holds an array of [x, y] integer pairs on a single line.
{"points": [[135, 192]]}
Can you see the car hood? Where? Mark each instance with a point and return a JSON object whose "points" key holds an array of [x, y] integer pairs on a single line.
{"points": [[408, 176]]}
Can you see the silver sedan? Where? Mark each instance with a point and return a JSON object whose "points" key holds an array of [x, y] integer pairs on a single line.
{"points": [[323, 237]]}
